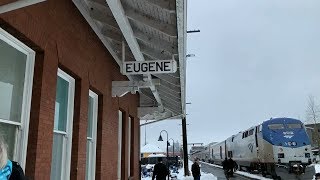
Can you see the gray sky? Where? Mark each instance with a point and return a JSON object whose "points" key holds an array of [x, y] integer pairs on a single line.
{"points": [[254, 60]]}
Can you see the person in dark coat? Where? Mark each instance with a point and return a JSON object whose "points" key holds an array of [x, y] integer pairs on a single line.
{"points": [[160, 170], [195, 169], [232, 165], [225, 164], [229, 165]]}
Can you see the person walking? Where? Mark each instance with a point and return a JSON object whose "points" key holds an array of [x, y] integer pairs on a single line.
{"points": [[9, 170], [160, 170], [232, 165], [195, 169], [227, 165]]}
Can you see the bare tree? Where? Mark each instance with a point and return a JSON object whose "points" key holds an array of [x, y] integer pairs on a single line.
{"points": [[313, 114]]}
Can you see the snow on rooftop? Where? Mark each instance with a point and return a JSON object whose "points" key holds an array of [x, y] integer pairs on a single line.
{"points": [[150, 148], [156, 155]]}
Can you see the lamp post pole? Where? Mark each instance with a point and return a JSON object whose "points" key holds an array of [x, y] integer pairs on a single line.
{"points": [[172, 146], [160, 139], [185, 147], [167, 142]]}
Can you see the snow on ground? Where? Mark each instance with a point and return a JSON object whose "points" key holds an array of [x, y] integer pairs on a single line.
{"points": [[317, 168], [207, 176], [240, 172], [180, 175]]}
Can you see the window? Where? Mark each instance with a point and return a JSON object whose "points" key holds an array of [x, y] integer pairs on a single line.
{"points": [[294, 126], [62, 132], [275, 126], [119, 144], [211, 153], [91, 136], [230, 154], [246, 134], [16, 75], [130, 146], [251, 132]]}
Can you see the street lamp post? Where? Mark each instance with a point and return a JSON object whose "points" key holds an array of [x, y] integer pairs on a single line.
{"points": [[160, 139], [172, 146]]}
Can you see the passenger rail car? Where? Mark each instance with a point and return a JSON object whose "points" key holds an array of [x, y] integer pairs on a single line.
{"points": [[279, 147]]}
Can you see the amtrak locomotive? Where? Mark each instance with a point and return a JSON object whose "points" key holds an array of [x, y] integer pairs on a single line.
{"points": [[279, 147]]}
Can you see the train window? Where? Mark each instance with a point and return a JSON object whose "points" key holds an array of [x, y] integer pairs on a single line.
{"points": [[294, 126], [230, 154], [251, 132], [276, 126]]}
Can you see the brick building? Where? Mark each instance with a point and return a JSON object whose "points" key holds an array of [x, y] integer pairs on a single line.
{"points": [[66, 110]]}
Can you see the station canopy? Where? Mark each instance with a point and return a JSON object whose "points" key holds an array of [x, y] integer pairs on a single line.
{"points": [[144, 31]]}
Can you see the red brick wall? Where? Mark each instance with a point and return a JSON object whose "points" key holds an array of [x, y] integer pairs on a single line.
{"points": [[61, 37]]}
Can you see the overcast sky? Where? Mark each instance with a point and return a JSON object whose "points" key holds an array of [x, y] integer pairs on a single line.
{"points": [[255, 59]]}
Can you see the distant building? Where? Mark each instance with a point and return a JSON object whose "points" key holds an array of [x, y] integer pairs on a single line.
{"points": [[151, 149], [196, 149]]}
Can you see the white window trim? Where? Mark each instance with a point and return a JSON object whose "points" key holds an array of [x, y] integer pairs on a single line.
{"points": [[129, 146], [22, 142], [65, 165], [93, 139], [119, 144]]}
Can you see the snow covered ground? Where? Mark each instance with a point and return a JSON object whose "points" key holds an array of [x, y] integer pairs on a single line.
{"points": [[180, 175], [206, 176]]}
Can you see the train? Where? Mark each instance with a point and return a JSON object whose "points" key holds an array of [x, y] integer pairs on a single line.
{"points": [[278, 147]]}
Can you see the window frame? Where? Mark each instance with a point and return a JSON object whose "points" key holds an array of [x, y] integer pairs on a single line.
{"points": [[92, 155], [23, 127], [67, 136], [129, 145], [120, 120]]}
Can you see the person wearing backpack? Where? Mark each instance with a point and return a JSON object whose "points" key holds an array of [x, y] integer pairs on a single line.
{"points": [[9, 170]]}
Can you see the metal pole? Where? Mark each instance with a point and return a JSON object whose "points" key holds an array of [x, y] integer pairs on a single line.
{"points": [[145, 135], [173, 149], [185, 147]]}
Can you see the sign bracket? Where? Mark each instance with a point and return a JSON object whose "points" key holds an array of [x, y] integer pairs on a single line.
{"points": [[121, 88]]}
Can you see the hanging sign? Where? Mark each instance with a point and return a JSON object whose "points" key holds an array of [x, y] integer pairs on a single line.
{"points": [[149, 67]]}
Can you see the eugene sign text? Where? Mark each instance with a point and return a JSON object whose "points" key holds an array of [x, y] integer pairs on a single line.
{"points": [[149, 67]]}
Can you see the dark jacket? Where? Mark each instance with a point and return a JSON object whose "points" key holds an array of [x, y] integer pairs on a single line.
{"points": [[225, 164], [195, 168], [232, 164], [17, 172], [160, 171]]}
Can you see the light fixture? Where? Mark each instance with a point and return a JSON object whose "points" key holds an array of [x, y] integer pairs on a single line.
{"points": [[160, 138]]}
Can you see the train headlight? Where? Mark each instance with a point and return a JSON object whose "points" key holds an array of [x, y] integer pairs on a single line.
{"points": [[280, 155], [307, 155]]}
